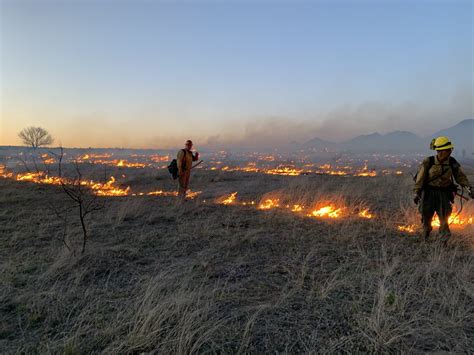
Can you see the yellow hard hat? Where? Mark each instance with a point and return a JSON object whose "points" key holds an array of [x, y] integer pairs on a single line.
{"points": [[441, 143]]}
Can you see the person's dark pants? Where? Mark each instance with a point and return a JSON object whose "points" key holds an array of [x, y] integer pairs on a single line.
{"points": [[439, 201]]}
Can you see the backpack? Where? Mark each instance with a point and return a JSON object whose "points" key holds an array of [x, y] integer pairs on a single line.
{"points": [[453, 163], [173, 168]]}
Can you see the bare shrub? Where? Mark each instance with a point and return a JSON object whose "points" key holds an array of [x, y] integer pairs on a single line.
{"points": [[84, 201]]}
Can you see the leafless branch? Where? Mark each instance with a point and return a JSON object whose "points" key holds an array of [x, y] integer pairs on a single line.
{"points": [[84, 201]]}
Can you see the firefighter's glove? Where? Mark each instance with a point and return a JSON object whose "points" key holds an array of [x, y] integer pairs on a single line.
{"points": [[416, 198]]}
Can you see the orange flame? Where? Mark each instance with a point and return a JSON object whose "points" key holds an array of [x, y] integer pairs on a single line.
{"points": [[337, 172], [292, 170], [189, 194], [47, 159], [454, 220], [40, 178], [297, 208], [409, 228], [284, 171], [4, 173], [159, 158], [161, 193], [102, 189], [192, 194], [229, 199], [366, 173], [84, 157], [326, 211], [365, 214], [269, 204], [125, 163], [108, 188]]}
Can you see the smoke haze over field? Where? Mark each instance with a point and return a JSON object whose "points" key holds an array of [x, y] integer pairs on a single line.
{"points": [[153, 74], [100, 129]]}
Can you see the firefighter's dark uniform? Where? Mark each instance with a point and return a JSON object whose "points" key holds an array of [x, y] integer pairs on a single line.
{"points": [[437, 195]]}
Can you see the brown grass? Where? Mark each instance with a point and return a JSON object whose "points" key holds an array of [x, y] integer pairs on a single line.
{"points": [[160, 277]]}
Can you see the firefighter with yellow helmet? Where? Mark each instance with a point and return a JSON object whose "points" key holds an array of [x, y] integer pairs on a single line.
{"points": [[435, 188]]}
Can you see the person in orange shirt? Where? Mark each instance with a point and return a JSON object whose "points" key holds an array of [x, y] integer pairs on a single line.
{"points": [[185, 161]]}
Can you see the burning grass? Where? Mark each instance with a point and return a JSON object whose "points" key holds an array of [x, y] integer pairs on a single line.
{"points": [[459, 222], [334, 207], [365, 213], [133, 161], [109, 188], [463, 223], [293, 170], [284, 170], [4, 173], [411, 228], [215, 278], [268, 204], [326, 211], [279, 263], [261, 164], [337, 208], [456, 219], [189, 194]]}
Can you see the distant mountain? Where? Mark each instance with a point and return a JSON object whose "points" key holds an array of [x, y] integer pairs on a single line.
{"points": [[318, 143], [398, 141], [462, 136], [363, 142]]}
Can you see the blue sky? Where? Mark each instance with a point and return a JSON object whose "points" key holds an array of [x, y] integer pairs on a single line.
{"points": [[150, 73]]}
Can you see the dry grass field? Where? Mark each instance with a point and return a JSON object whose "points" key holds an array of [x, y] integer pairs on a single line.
{"points": [[204, 277]]}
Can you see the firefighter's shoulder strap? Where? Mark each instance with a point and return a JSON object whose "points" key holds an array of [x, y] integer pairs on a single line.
{"points": [[427, 164], [453, 163]]}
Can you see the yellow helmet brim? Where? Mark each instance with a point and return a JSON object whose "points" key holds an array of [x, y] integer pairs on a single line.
{"points": [[445, 147]]}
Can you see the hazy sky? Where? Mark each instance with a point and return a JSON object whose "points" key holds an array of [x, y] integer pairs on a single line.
{"points": [[152, 73]]}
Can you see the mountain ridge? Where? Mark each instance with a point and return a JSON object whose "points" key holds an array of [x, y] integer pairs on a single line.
{"points": [[462, 135]]}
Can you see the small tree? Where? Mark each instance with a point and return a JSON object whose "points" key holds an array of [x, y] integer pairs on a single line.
{"points": [[35, 137], [85, 201]]}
